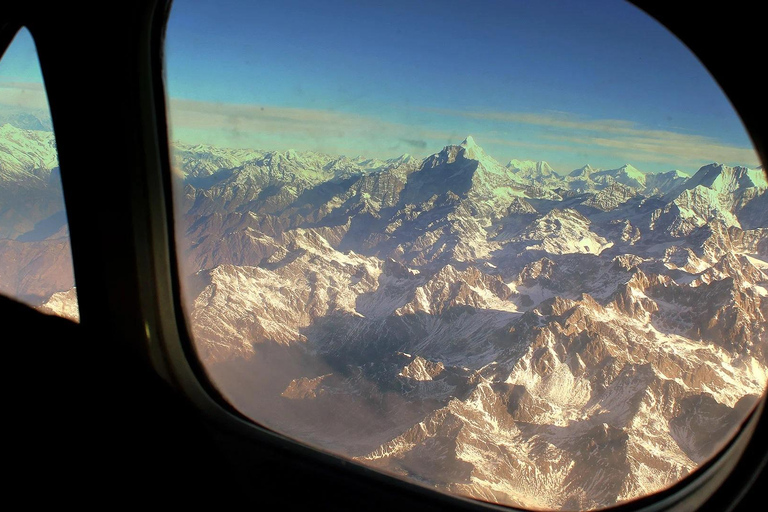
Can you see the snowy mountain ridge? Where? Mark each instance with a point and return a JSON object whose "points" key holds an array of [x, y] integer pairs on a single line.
{"points": [[500, 331]]}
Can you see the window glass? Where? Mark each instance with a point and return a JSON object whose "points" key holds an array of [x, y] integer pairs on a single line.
{"points": [[35, 256], [516, 251]]}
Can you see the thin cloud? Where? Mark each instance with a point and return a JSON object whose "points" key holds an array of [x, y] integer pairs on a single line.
{"points": [[29, 95], [421, 144], [672, 150], [339, 132], [315, 129], [620, 136]]}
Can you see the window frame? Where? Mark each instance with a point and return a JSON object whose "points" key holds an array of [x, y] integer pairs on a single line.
{"points": [[128, 283]]}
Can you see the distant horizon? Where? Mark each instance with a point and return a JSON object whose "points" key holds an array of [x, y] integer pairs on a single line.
{"points": [[379, 81], [560, 171], [504, 163], [185, 124]]}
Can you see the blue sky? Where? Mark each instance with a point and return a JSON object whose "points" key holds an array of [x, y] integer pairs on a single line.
{"points": [[568, 82]]}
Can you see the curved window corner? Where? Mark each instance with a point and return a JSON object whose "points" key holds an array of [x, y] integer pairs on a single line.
{"points": [[35, 256], [473, 249]]}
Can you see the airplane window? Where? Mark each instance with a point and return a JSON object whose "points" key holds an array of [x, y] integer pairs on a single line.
{"points": [[35, 256], [510, 251]]}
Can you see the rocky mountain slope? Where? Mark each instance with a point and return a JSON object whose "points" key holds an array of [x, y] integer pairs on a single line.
{"points": [[35, 258], [505, 332]]}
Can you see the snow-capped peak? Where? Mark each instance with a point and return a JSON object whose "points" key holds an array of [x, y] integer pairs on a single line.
{"points": [[630, 169], [520, 164], [531, 169], [726, 179], [400, 160], [471, 150], [626, 175], [583, 171], [23, 151]]}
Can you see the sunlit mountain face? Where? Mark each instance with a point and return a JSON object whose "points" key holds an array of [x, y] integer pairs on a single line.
{"points": [[556, 340], [35, 257], [507, 332]]}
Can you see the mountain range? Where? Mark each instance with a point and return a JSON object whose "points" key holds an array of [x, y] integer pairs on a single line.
{"points": [[505, 332]]}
